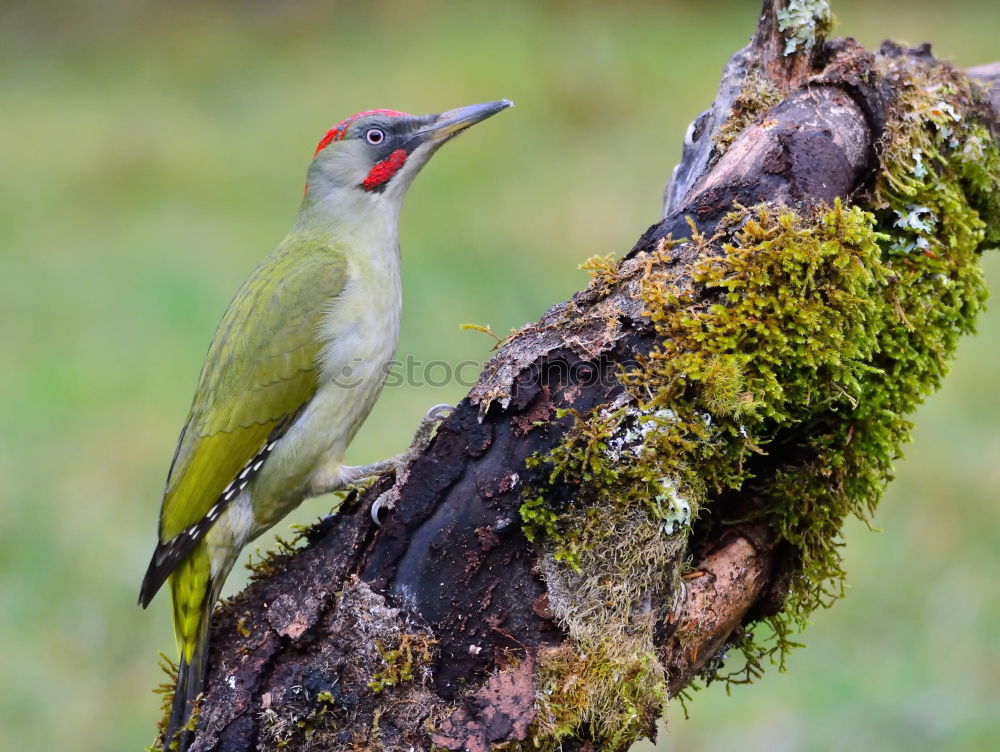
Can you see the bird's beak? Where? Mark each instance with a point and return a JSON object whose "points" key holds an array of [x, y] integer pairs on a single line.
{"points": [[450, 123]]}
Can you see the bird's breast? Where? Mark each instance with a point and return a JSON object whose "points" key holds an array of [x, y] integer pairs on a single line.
{"points": [[358, 335]]}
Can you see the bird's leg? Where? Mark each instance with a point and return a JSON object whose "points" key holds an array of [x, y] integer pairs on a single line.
{"points": [[421, 439], [360, 475], [424, 432]]}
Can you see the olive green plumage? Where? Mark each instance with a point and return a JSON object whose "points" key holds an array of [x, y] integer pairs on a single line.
{"points": [[260, 370], [273, 413]]}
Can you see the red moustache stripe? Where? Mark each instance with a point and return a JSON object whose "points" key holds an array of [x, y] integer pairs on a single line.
{"points": [[384, 170]]}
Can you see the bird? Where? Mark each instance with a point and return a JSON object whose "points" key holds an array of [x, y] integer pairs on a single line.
{"points": [[292, 372]]}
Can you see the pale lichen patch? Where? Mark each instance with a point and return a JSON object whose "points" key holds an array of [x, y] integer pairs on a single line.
{"points": [[803, 23]]}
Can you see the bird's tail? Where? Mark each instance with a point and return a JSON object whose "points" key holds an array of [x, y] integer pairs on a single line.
{"points": [[190, 677], [194, 594]]}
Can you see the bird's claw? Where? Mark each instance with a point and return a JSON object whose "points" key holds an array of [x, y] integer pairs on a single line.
{"points": [[377, 508], [424, 432], [421, 440], [439, 412]]}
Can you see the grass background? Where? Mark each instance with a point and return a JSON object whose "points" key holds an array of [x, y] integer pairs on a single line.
{"points": [[152, 153]]}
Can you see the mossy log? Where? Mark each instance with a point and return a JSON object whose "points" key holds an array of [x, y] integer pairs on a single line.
{"points": [[663, 461]]}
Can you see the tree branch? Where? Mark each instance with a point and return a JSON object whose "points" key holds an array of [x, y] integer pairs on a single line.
{"points": [[443, 625]]}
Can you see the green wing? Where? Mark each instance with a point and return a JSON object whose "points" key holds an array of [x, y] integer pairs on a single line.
{"points": [[261, 369]]}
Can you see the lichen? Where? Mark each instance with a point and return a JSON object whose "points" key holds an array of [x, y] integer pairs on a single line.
{"points": [[938, 187], [804, 23]]}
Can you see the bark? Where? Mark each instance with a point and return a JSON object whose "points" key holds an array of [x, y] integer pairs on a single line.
{"points": [[426, 630]]}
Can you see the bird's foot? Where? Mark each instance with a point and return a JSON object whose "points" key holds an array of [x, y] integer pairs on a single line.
{"points": [[360, 477], [425, 431], [401, 462]]}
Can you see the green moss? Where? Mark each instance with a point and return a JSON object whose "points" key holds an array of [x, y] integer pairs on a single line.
{"points": [[610, 468], [612, 698], [403, 662], [301, 720], [755, 651], [603, 272], [606, 677], [799, 346], [756, 96], [166, 692]]}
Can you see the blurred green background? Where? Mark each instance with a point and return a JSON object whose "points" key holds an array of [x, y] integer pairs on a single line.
{"points": [[152, 153]]}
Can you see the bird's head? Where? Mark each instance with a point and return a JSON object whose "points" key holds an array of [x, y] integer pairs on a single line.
{"points": [[377, 153]]}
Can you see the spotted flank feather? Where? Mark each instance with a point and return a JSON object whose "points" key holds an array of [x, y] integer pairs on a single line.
{"points": [[169, 553]]}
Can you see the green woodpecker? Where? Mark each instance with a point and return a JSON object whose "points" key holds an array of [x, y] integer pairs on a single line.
{"points": [[292, 372]]}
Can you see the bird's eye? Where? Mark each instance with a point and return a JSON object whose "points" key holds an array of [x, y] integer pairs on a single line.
{"points": [[375, 136]]}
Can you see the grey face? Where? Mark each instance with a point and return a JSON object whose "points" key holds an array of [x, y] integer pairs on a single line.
{"points": [[382, 135], [386, 143], [377, 149]]}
